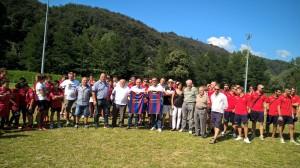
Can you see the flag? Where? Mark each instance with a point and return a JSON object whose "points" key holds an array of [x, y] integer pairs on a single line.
{"points": [[155, 102], [136, 103]]}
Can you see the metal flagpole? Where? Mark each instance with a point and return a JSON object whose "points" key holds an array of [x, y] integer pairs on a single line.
{"points": [[248, 37], [45, 36]]}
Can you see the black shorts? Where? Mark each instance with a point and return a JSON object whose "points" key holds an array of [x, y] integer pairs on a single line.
{"points": [[228, 117], [272, 119], [257, 116], [42, 104], [286, 120], [216, 119], [240, 119]]}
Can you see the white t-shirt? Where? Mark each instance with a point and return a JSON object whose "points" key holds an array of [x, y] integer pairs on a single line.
{"points": [[70, 88], [157, 88], [120, 95], [38, 87], [219, 102], [137, 89]]}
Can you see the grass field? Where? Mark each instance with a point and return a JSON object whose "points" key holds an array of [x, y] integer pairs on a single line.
{"points": [[118, 147]]}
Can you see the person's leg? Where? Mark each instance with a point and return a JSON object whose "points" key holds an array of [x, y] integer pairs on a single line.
{"points": [[226, 120], [52, 111], [191, 117], [268, 122], [159, 121], [184, 116], [106, 112], [203, 119], [253, 128], [129, 119], [86, 114], [197, 122], [68, 106], [96, 115], [174, 116], [246, 130], [240, 131], [136, 118], [291, 131], [24, 114], [122, 110], [114, 115], [179, 114]]}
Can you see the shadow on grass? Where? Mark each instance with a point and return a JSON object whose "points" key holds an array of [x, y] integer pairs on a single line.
{"points": [[8, 136]]}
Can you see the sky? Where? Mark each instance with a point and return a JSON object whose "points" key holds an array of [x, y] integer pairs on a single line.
{"points": [[273, 24]]}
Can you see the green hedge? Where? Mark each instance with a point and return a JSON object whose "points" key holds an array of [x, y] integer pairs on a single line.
{"points": [[14, 76]]}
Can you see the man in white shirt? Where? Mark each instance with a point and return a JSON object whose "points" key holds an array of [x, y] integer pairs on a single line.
{"points": [[136, 89], [156, 117], [119, 98], [69, 87], [219, 104], [41, 93]]}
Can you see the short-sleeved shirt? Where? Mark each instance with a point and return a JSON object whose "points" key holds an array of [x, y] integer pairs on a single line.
{"points": [[273, 102], [231, 101], [201, 101], [157, 88], [257, 101], [167, 98], [218, 102], [285, 103], [40, 87], [83, 95], [190, 94], [56, 103], [101, 89], [120, 95], [240, 105], [70, 88], [30, 95], [137, 89]]}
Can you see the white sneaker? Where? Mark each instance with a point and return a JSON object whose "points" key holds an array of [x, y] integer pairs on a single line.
{"points": [[246, 140], [159, 130], [282, 140], [76, 126], [222, 133], [238, 138], [261, 137], [153, 128], [180, 130], [190, 132], [294, 142]]}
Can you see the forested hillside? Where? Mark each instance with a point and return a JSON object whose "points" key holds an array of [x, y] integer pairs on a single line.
{"points": [[92, 40]]}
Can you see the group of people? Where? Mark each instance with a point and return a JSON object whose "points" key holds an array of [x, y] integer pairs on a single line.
{"points": [[158, 104]]}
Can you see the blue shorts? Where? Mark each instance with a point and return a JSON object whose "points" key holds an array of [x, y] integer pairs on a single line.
{"points": [[240, 119], [286, 120], [82, 110], [228, 117], [257, 116], [216, 119], [272, 119]]}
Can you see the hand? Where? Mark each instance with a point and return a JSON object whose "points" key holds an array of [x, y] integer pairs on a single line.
{"points": [[280, 118]]}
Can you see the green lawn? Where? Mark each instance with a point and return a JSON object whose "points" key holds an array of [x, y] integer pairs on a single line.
{"points": [[118, 147]]}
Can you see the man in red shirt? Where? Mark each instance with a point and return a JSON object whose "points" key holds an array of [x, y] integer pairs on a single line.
{"points": [[30, 105], [228, 113], [286, 116], [272, 116], [258, 109], [241, 110], [56, 100]]}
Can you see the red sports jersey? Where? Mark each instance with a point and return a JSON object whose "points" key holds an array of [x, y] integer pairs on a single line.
{"points": [[16, 97], [241, 104], [30, 95], [49, 87], [230, 100], [4, 101], [295, 100], [273, 105], [56, 102], [22, 93], [256, 101], [285, 103]]}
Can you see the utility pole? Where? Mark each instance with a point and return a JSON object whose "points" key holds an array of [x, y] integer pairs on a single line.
{"points": [[248, 37], [45, 36]]}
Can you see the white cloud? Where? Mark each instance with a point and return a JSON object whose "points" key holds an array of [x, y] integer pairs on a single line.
{"points": [[223, 42], [283, 53], [257, 53]]}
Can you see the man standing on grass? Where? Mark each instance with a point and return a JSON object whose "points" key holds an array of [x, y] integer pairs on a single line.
{"points": [[218, 105], [286, 116], [155, 93], [296, 105], [241, 114], [167, 103], [82, 103], [100, 92], [136, 103], [70, 86], [200, 114], [119, 98], [258, 110], [188, 106], [272, 116], [229, 114], [41, 93]]}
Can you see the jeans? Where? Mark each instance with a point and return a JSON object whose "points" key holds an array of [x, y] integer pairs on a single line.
{"points": [[101, 105], [156, 120], [136, 118]]}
